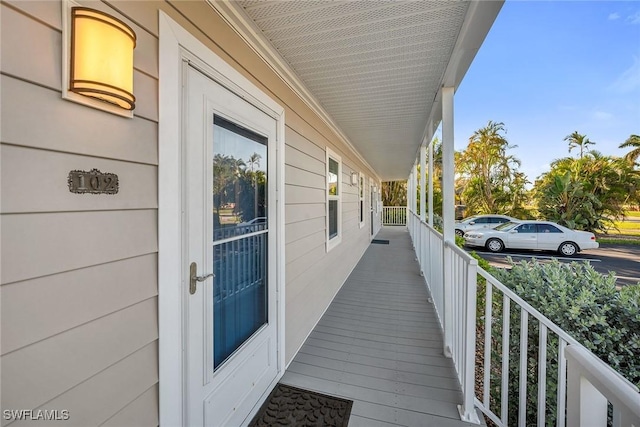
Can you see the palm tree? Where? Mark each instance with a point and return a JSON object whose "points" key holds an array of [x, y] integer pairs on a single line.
{"points": [[577, 140], [254, 159], [632, 142]]}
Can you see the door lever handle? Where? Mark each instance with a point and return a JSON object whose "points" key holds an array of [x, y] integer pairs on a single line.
{"points": [[194, 278], [203, 278]]}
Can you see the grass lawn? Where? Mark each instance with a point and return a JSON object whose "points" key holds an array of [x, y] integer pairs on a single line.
{"points": [[627, 232], [618, 241]]}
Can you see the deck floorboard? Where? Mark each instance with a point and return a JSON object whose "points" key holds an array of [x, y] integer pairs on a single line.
{"points": [[380, 344]]}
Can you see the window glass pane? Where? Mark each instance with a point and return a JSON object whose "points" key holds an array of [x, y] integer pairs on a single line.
{"points": [[548, 228], [239, 180], [333, 219], [361, 187], [527, 228], [333, 177], [361, 210]]}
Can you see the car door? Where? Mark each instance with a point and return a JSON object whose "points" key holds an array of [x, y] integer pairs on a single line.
{"points": [[524, 236], [549, 237]]}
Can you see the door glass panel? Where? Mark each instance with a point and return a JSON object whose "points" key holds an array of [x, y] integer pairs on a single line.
{"points": [[240, 218]]}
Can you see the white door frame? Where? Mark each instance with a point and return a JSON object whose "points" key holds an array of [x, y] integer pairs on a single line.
{"points": [[175, 45]]}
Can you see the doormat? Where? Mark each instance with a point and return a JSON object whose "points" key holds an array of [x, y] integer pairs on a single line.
{"points": [[292, 406], [380, 241]]}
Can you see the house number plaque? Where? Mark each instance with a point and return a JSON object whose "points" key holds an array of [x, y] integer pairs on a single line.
{"points": [[92, 182]]}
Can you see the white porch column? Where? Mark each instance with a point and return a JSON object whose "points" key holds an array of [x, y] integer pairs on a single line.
{"points": [[415, 187], [448, 190], [448, 214], [423, 179], [431, 184]]}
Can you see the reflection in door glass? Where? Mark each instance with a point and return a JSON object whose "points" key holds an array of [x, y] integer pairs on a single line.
{"points": [[239, 217], [239, 180]]}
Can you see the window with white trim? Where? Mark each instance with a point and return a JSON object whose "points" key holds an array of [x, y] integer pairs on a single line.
{"points": [[334, 199], [361, 198]]}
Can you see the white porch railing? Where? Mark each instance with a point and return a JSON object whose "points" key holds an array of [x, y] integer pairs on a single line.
{"points": [[588, 387], [592, 383], [455, 304], [394, 215]]}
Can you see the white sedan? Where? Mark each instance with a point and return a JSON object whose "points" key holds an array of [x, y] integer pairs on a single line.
{"points": [[540, 235], [480, 221]]}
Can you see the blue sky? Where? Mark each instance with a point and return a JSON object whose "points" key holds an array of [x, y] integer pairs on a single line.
{"points": [[549, 68]]}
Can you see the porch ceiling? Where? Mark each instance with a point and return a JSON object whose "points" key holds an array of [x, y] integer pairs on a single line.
{"points": [[376, 67]]}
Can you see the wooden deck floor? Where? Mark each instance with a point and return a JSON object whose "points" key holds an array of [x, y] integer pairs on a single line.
{"points": [[380, 345]]}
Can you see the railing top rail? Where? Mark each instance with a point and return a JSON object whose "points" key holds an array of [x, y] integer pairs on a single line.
{"points": [[599, 374], [436, 232], [461, 252]]}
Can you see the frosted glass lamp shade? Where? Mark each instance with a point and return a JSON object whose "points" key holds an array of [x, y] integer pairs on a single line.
{"points": [[102, 57]]}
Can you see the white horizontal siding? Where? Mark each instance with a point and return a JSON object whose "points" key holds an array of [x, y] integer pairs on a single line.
{"points": [[137, 413], [89, 293], [79, 276], [34, 116], [36, 245], [36, 169], [127, 382], [43, 371]]}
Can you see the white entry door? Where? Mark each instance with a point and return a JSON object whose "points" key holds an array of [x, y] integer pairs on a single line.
{"points": [[230, 253]]}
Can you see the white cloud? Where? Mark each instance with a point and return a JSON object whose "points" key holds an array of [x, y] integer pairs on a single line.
{"points": [[634, 19], [614, 16], [629, 80], [602, 115]]}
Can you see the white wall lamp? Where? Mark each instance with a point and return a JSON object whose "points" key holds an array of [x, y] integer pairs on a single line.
{"points": [[354, 178], [98, 60]]}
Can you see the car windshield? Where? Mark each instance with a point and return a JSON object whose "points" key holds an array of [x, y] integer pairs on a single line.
{"points": [[506, 226]]}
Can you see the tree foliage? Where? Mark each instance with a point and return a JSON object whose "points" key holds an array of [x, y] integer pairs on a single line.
{"points": [[488, 176], [577, 140], [586, 193], [632, 142], [394, 193], [235, 184]]}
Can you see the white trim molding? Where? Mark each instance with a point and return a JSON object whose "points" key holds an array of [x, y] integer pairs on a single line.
{"points": [[176, 44], [332, 242], [362, 214]]}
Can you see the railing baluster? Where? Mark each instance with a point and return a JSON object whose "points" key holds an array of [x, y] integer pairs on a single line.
{"points": [[562, 383], [524, 345], [542, 375], [487, 343], [504, 390]]}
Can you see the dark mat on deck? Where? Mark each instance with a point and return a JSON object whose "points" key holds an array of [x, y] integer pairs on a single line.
{"points": [[292, 406], [380, 241]]}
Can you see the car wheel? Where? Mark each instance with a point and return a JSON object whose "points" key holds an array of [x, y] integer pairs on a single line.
{"points": [[495, 245], [568, 249], [459, 233]]}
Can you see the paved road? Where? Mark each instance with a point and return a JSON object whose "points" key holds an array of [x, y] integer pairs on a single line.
{"points": [[623, 259]]}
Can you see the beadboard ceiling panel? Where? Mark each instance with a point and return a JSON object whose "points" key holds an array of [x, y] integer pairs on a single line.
{"points": [[374, 66]]}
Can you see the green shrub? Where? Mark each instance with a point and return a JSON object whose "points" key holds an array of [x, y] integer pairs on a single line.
{"points": [[581, 301]]}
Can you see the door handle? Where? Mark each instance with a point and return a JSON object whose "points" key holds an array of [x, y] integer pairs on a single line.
{"points": [[194, 278]]}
